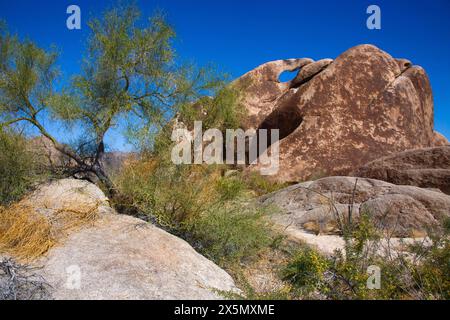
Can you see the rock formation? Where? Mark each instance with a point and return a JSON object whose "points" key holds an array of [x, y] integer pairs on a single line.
{"points": [[404, 211], [427, 168], [120, 257], [338, 115], [54, 160], [263, 88]]}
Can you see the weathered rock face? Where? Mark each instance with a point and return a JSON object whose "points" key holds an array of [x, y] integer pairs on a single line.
{"points": [[51, 158], [56, 195], [263, 88], [338, 115], [404, 211], [124, 258], [306, 73], [121, 257], [54, 160], [427, 168]]}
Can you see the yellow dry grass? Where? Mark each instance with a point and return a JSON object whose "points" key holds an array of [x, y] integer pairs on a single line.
{"points": [[321, 227], [27, 234]]}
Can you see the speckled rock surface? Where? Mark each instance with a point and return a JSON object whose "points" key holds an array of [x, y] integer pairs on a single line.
{"points": [[121, 257], [426, 168], [125, 258], [338, 115], [403, 211]]}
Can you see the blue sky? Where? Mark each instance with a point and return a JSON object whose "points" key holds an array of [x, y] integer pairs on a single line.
{"points": [[238, 35]]}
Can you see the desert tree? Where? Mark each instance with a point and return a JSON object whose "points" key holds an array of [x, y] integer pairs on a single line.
{"points": [[128, 74]]}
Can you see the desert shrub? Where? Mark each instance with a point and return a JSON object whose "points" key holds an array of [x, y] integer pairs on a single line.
{"points": [[230, 232], [306, 271], [197, 203], [19, 167], [222, 111], [230, 188], [262, 185], [419, 271]]}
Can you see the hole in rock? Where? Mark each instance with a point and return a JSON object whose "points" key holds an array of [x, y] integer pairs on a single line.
{"points": [[286, 76]]}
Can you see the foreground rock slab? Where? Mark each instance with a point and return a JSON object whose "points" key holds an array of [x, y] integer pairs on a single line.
{"points": [[125, 258], [121, 257]]}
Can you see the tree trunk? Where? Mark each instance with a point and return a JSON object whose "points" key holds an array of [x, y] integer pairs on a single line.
{"points": [[99, 171], [96, 168]]}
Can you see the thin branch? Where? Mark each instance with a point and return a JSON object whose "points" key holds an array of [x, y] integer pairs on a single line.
{"points": [[10, 122]]}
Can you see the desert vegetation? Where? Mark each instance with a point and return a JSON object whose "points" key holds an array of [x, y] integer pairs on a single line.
{"points": [[20, 167], [130, 75], [419, 271]]}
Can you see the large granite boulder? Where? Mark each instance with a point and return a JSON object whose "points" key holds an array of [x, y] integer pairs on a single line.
{"points": [[116, 256], [317, 206], [338, 115], [427, 168], [122, 257]]}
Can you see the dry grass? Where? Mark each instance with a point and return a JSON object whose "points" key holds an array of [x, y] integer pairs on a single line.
{"points": [[24, 233], [27, 234], [320, 227]]}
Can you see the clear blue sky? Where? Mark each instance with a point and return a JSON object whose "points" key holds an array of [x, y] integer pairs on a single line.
{"points": [[238, 35]]}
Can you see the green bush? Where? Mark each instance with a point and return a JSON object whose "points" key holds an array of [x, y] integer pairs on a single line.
{"points": [[197, 203], [18, 167], [230, 232], [419, 272], [306, 271], [230, 188], [261, 185], [168, 193]]}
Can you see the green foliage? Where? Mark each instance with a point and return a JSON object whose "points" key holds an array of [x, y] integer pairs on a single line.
{"points": [[261, 185], [210, 211], [27, 73], [222, 111], [446, 225], [432, 275], [358, 235], [18, 167], [306, 271], [420, 271], [129, 75], [249, 293], [230, 232], [126, 69], [230, 188]]}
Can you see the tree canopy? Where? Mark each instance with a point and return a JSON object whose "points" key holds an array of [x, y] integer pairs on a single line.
{"points": [[128, 72]]}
